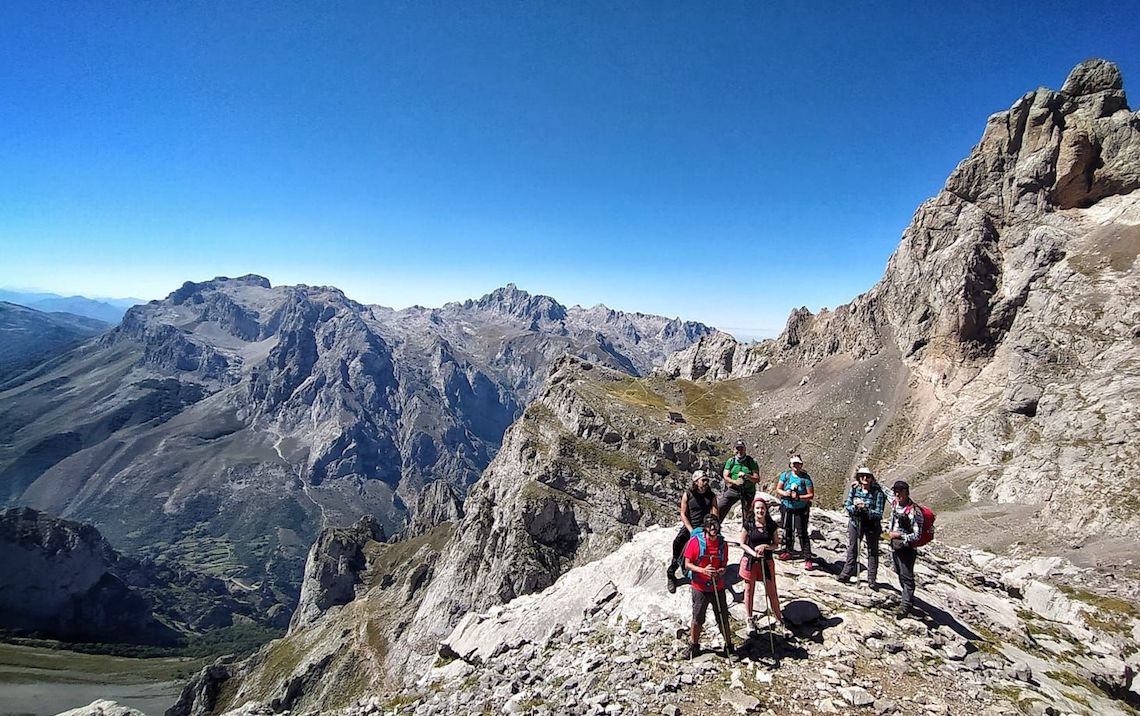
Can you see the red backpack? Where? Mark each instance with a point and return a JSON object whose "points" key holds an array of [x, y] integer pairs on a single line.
{"points": [[927, 524]]}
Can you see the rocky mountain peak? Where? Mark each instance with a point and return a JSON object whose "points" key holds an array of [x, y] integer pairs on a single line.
{"points": [[513, 301], [1094, 75], [190, 288]]}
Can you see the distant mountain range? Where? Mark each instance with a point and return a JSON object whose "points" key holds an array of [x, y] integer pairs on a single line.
{"points": [[28, 336], [229, 422], [108, 310]]}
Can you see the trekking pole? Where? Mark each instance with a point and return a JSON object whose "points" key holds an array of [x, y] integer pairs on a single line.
{"points": [[721, 616], [768, 616]]}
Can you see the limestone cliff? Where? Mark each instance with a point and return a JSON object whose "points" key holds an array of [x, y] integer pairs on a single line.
{"points": [[1011, 304]]}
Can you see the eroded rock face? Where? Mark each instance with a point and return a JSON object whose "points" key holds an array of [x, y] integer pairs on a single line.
{"points": [[1011, 300], [334, 570], [575, 478], [59, 583]]}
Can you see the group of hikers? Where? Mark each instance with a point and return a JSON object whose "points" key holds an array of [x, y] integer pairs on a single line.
{"points": [[700, 548]]}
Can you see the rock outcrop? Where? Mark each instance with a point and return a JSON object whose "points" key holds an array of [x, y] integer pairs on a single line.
{"points": [[64, 581], [1011, 303], [993, 635], [334, 569], [234, 410], [59, 583]]}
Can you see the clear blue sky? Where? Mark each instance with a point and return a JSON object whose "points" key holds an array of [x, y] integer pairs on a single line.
{"points": [[724, 162]]}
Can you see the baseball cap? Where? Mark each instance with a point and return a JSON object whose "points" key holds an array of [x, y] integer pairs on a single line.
{"points": [[900, 485], [794, 459], [698, 475], [740, 444], [864, 471]]}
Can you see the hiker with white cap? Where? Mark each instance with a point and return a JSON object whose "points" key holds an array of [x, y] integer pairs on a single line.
{"points": [[697, 502], [865, 504], [741, 473], [796, 492]]}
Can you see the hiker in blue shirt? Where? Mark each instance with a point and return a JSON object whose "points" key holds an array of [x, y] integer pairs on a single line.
{"points": [[865, 504], [796, 491]]}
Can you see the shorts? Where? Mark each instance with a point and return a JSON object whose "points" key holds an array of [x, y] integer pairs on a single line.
{"points": [[750, 566], [701, 601]]}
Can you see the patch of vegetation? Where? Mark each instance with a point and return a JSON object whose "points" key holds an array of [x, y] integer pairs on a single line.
{"points": [[240, 638], [1108, 614], [443, 660], [591, 453], [55, 662], [1072, 680], [402, 700], [635, 392], [708, 405]]}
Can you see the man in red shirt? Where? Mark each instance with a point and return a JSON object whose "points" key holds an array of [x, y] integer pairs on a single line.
{"points": [[706, 557]]}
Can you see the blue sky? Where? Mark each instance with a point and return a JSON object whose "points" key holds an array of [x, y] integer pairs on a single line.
{"points": [[724, 162]]}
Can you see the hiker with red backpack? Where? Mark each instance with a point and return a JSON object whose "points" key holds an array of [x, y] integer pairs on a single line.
{"points": [[911, 526], [706, 557], [865, 504]]}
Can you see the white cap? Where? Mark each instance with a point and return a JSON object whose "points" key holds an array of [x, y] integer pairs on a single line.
{"points": [[864, 471], [698, 475], [794, 459]]}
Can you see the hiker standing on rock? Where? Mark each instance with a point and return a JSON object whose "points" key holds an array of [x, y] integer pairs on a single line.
{"points": [[759, 538], [741, 473], [865, 504], [905, 529], [796, 492], [697, 502], [706, 557]]}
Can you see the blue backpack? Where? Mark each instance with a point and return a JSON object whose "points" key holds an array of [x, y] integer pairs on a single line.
{"points": [[722, 553]]}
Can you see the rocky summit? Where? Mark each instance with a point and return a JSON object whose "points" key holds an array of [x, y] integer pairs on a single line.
{"points": [[994, 363], [991, 366], [228, 423]]}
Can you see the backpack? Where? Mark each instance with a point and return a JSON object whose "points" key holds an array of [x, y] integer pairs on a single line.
{"points": [[722, 553], [927, 525]]}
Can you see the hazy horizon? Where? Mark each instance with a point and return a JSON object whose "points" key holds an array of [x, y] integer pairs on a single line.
{"points": [[724, 165]]}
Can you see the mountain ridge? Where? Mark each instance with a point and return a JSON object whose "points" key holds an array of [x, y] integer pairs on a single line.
{"points": [[231, 387]]}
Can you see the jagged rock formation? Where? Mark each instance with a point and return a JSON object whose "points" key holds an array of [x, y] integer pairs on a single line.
{"points": [[1011, 304], [28, 336], [59, 583], [235, 418], [334, 570]]}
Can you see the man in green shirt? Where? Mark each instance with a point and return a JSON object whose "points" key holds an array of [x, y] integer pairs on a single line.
{"points": [[741, 473]]}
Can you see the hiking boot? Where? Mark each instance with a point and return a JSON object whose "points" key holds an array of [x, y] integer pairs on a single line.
{"points": [[671, 579], [873, 585], [809, 565], [784, 556], [902, 613], [843, 578], [693, 651]]}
